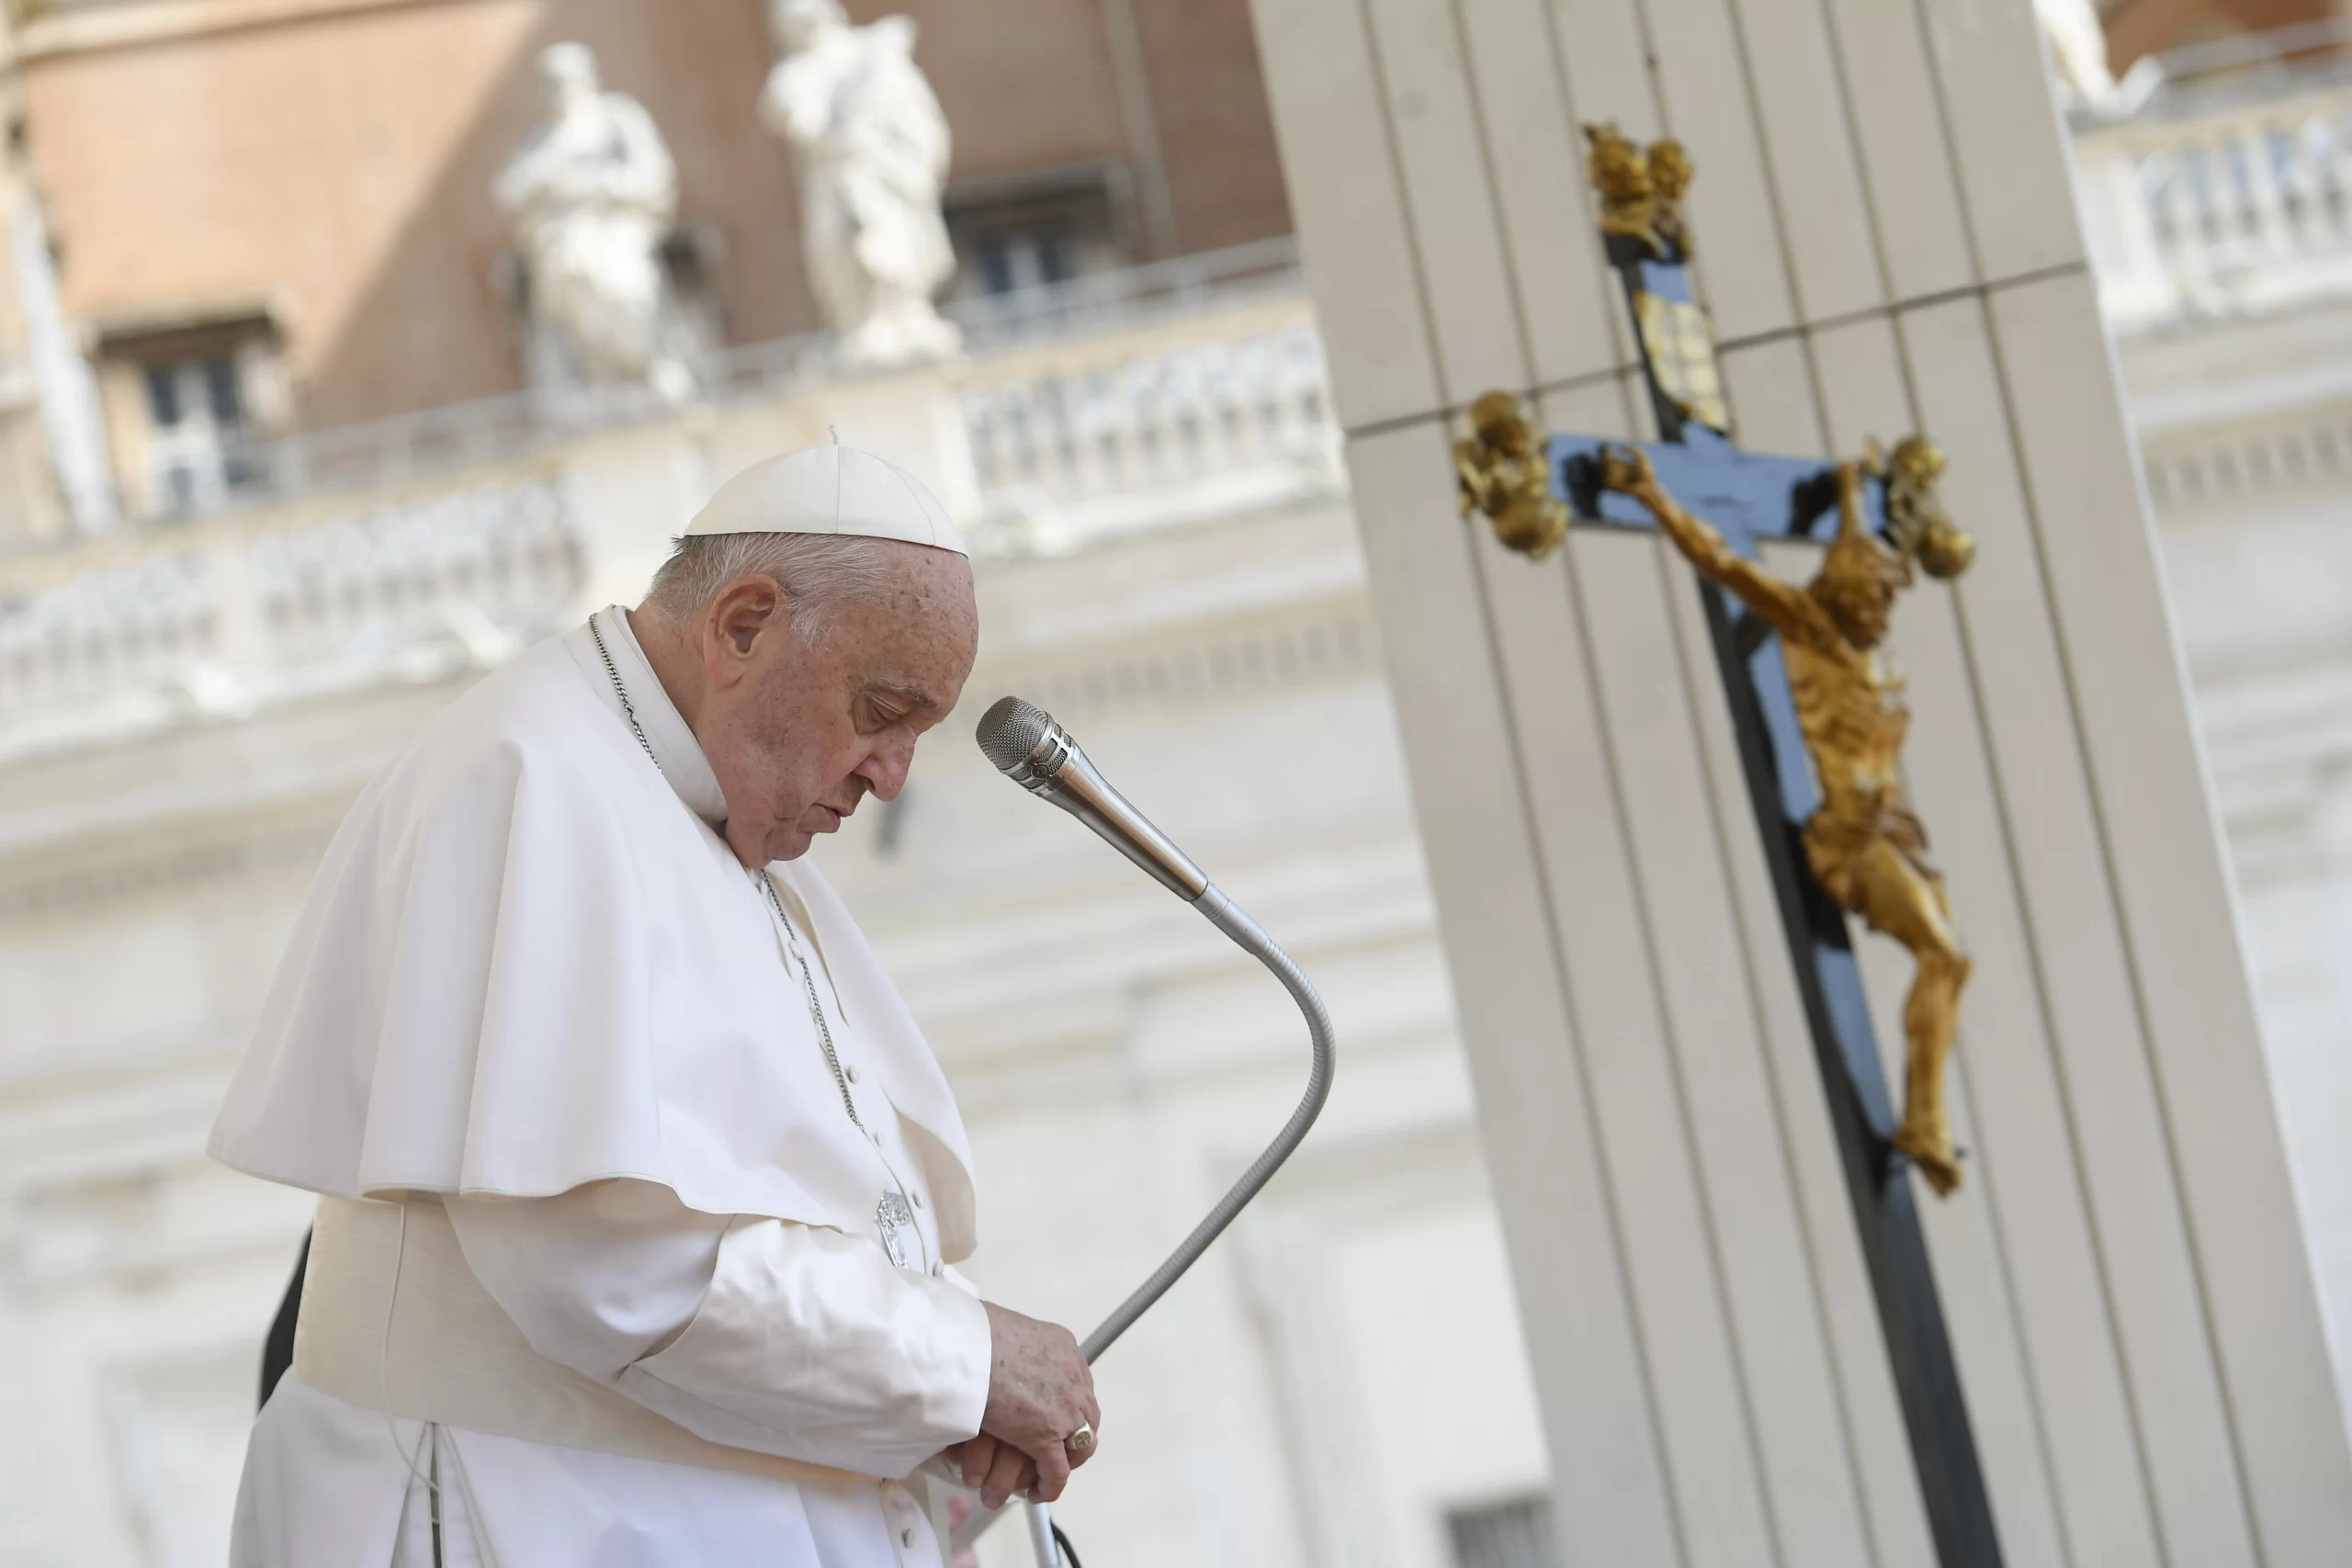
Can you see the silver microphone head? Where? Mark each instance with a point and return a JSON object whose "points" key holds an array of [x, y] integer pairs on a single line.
{"points": [[1038, 755], [1024, 741]]}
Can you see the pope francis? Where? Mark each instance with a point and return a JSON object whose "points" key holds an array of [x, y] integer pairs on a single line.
{"points": [[639, 1189]]}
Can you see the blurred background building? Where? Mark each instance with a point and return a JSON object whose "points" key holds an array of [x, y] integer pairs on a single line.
{"points": [[283, 466]]}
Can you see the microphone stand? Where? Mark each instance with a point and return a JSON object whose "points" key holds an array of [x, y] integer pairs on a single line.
{"points": [[1091, 799]]}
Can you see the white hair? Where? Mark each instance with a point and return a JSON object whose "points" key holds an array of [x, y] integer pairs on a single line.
{"points": [[816, 572]]}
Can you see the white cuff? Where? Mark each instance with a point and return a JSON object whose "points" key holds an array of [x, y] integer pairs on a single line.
{"points": [[812, 1345]]}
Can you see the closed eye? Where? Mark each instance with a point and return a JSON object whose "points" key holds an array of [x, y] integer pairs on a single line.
{"points": [[885, 707]]}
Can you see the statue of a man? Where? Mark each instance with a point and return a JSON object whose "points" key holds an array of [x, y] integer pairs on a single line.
{"points": [[2077, 50], [872, 148], [592, 193]]}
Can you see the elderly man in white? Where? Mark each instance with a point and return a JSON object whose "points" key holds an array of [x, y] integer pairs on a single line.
{"points": [[637, 1186]]}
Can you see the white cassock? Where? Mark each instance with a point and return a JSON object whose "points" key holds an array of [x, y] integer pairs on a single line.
{"points": [[616, 1263]]}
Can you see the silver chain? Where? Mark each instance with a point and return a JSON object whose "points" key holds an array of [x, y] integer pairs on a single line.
{"points": [[622, 691], [816, 1010], [776, 902]]}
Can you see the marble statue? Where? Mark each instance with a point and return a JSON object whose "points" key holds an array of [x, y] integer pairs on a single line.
{"points": [[2077, 50], [592, 194], [872, 148]]}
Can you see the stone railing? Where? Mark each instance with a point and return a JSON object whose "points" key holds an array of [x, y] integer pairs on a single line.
{"points": [[461, 435], [2228, 186], [214, 621], [1106, 410], [1094, 433]]}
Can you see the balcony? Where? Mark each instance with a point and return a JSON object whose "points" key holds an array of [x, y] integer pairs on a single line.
{"points": [[2219, 184], [414, 548]]}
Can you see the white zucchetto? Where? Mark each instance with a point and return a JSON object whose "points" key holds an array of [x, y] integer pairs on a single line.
{"points": [[528, 963], [829, 489]]}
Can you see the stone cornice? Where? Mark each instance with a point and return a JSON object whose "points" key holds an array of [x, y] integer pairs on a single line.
{"points": [[86, 30], [2309, 449], [74, 887]]}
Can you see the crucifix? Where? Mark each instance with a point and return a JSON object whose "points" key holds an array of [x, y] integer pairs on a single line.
{"points": [[1820, 722]]}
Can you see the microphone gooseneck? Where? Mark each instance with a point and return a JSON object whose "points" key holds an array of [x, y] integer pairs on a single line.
{"points": [[1031, 749]]}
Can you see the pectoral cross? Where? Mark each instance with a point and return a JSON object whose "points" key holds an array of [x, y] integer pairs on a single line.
{"points": [[1819, 755]]}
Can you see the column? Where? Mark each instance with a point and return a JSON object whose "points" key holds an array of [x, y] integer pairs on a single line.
{"points": [[1887, 242]]}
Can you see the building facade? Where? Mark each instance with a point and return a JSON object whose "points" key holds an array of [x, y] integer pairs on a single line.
{"points": [[2218, 211], [277, 216]]}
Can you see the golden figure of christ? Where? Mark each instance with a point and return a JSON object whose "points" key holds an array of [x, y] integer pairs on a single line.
{"points": [[1864, 844]]}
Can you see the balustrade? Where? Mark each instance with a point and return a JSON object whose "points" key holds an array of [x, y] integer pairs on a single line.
{"points": [[216, 615], [1115, 417], [448, 538], [2228, 193]]}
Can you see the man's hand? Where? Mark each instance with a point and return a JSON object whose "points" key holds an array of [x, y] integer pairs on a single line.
{"points": [[997, 1471], [1040, 1391]]}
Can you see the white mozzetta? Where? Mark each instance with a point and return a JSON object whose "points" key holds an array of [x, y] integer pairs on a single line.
{"points": [[418, 1040], [413, 1047]]}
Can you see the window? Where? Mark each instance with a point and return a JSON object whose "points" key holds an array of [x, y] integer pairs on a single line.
{"points": [[1026, 259], [1032, 231], [1514, 1533], [195, 414], [188, 400]]}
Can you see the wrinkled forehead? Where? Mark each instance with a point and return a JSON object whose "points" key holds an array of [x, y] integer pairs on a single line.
{"points": [[922, 622]]}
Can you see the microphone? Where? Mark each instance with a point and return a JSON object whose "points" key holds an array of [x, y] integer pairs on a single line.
{"points": [[1038, 755]]}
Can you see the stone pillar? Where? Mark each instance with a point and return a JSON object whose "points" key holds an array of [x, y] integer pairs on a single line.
{"points": [[2120, 226], [629, 493], [1887, 240], [70, 415], [913, 418]]}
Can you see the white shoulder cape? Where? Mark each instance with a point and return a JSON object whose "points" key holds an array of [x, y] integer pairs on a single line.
{"points": [[527, 964]]}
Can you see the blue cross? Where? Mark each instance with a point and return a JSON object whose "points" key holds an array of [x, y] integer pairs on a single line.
{"points": [[1750, 498]]}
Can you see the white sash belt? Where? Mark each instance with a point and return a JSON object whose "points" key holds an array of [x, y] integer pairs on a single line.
{"points": [[449, 1354]]}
